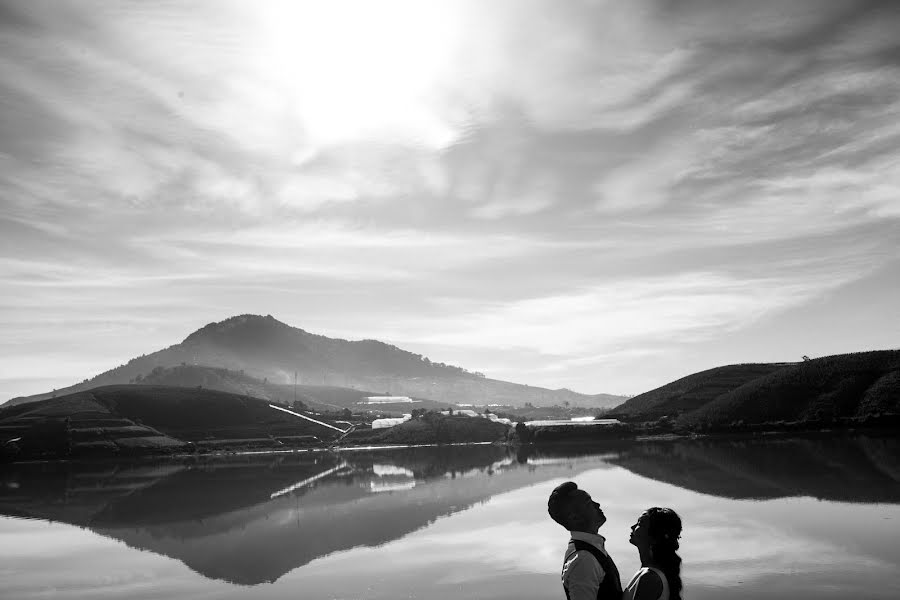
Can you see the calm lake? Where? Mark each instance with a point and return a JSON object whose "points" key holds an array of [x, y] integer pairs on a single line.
{"points": [[815, 517]]}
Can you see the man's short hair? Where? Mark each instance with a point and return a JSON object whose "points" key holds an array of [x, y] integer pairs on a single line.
{"points": [[560, 503]]}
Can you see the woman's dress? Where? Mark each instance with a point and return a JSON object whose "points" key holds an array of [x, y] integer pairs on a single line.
{"points": [[630, 591]]}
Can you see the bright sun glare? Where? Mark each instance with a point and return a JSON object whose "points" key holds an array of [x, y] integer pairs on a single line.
{"points": [[354, 68]]}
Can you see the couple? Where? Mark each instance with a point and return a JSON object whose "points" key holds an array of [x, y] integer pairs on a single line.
{"points": [[588, 571]]}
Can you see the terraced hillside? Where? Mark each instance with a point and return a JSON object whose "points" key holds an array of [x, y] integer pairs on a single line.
{"points": [[136, 419]]}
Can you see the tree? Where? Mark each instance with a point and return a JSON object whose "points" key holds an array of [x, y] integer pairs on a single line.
{"points": [[346, 413], [523, 433]]}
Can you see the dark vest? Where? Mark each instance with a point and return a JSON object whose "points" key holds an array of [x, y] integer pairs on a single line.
{"points": [[611, 586]]}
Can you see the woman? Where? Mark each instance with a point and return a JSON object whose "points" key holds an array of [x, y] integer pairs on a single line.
{"points": [[656, 536]]}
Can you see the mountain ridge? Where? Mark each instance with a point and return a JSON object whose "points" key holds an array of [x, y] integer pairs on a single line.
{"points": [[268, 349]]}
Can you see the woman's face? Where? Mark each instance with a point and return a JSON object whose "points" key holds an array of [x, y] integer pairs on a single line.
{"points": [[640, 536]]}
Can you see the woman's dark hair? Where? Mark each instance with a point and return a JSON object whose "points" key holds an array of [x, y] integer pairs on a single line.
{"points": [[664, 528]]}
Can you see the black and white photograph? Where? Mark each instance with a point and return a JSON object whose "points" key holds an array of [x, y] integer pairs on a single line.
{"points": [[449, 299]]}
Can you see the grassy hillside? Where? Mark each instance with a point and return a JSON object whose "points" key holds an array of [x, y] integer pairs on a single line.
{"points": [[834, 387], [136, 419], [692, 392], [846, 389]]}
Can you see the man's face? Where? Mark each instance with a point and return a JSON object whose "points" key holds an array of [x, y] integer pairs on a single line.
{"points": [[588, 512]]}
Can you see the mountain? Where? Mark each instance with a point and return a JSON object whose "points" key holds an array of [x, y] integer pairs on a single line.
{"points": [[267, 349], [844, 386]]}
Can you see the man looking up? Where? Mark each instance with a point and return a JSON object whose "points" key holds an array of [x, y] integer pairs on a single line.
{"points": [[588, 573]]}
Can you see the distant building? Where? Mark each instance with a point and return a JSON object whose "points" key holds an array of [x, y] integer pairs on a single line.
{"points": [[388, 400], [496, 419], [466, 413], [385, 423]]}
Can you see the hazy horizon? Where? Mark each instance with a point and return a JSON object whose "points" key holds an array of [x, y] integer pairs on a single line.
{"points": [[602, 196]]}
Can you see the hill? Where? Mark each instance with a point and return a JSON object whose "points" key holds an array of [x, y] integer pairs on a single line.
{"points": [[138, 419], [267, 349], [846, 386], [314, 397], [692, 392]]}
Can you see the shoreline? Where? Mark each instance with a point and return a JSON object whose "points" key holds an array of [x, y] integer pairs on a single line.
{"points": [[511, 444]]}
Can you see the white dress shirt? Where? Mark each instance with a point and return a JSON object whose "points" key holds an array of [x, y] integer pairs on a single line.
{"points": [[581, 573]]}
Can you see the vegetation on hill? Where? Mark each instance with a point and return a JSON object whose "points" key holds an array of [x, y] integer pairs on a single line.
{"points": [[860, 389], [691, 392], [824, 390]]}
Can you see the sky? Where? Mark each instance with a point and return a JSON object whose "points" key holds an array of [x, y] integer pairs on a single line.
{"points": [[598, 195]]}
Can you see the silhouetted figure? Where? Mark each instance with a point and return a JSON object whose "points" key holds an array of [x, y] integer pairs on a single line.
{"points": [[656, 536], [588, 572]]}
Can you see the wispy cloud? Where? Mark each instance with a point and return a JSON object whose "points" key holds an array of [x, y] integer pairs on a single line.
{"points": [[576, 181], [687, 307]]}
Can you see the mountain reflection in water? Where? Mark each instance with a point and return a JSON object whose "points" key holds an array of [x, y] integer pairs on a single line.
{"points": [[251, 519]]}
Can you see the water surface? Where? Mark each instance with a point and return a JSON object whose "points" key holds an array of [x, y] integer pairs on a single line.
{"points": [[799, 518]]}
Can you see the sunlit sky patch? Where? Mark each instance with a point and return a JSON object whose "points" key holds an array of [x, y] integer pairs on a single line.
{"points": [[603, 195]]}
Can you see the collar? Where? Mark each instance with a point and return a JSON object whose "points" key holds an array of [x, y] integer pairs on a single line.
{"points": [[595, 539]]}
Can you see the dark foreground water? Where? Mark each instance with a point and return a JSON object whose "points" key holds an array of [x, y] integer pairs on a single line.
{"points": [[800, 518]]}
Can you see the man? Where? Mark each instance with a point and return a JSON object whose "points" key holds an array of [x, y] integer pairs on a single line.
{"points": [[588, 572]]}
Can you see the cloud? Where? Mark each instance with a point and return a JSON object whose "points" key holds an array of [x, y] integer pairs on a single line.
{"points": [[598, 175], [684, 308]]}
